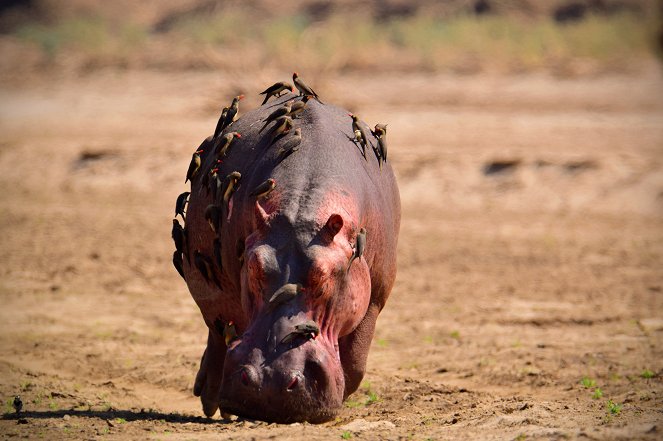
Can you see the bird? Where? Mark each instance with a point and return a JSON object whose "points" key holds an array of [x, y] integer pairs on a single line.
{"points": [[299, 106], [181, 202], [379, 130], [224, 143], [281, 111], [217, 252], [303, 88], [215, 184], [213, 217], [284, 294], [282, 126], [229, 332], [178, 263], [308, 329], [276, 89], [231, 185], [231, 115], [264, 189], [290, 145], [359, 132], [359, 247], [194, 166], [206, 178], [359, 138], [178, 236], [18, 404], [382, 148], [204, 265], [220, 124]]}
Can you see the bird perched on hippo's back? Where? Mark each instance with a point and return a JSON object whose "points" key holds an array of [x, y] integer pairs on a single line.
{"points": [[304, 88], [276, 89]]}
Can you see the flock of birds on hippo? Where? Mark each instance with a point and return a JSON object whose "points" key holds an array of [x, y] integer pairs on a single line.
{"points": [[287, 140]]}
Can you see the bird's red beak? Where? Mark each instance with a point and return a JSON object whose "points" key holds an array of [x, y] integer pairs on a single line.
{"points": [[199, 151], [238, 135], [241, 97]]}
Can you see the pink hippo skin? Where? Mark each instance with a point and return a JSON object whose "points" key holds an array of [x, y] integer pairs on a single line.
{"points": [[303, 232]]}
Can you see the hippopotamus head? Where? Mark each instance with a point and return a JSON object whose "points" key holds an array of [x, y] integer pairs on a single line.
{"points": [[301, 296]]}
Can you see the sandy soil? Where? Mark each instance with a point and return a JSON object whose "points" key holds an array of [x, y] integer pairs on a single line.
{"points": [[530, 256]]}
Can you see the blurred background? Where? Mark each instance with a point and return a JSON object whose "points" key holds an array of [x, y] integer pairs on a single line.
{"points": [[569, 37], [527, 140]]}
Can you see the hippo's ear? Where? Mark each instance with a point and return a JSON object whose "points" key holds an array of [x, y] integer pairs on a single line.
{"points": [[333, 226]]}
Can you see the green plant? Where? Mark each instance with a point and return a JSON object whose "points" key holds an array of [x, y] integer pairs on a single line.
{"points": [[587, 382], [346, 434], [613, 408], [455, 334], [598, 393], [647, 374]]}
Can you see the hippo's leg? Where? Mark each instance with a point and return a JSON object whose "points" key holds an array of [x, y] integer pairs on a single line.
{"points": [[210, 374], [354, 348]]}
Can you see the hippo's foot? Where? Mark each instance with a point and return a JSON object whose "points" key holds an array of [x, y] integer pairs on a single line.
{"points": [[210, 374]]}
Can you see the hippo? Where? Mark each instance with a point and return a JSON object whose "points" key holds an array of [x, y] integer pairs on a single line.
{"points": [[289, 302]]}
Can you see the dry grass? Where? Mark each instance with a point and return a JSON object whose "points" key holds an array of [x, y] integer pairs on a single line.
{"points": [[344, 42]]}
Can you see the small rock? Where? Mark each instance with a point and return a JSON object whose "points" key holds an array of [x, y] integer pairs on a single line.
{"points": [[66, 417], [22, 421], [523, 407]]}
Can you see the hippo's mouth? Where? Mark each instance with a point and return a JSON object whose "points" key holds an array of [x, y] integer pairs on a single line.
{"points": [[302, 382]]}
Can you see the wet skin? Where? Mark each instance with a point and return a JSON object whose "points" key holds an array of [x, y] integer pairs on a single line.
{"points": [[303, 233]]}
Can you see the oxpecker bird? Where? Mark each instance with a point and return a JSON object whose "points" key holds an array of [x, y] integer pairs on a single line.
{"points": [[194, 166], [232, 181], [223, 143], [303, 88], [281, 127], [299, 106], [264, 189], [213, 217], [359, 247], [290, 145], [231, 116], [178, 263], [178, 236], [281, 111], [181, 202], [229, 332], [276, 89], [360, 133], [204, 266], [219, 125], [284, 294]]}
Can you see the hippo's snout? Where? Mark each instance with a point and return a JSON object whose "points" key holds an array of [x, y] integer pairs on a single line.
{"points": [[298, 383]]}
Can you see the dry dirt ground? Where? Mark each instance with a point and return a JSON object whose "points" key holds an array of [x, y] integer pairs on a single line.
{"points": [[530, 256]]}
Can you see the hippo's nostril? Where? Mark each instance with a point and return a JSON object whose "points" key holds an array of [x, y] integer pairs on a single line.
{"points": [[293, 383], [245, 378]]}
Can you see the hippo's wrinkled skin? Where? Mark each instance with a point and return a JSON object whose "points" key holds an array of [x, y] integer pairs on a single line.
{"points": [[302, 233]]}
